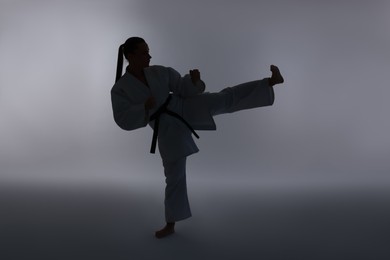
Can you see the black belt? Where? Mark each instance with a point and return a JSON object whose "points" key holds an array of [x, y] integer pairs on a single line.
{"points": [[156, 116]]}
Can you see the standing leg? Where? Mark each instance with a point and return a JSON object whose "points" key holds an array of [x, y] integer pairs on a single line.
{"points": [[176, 202]]}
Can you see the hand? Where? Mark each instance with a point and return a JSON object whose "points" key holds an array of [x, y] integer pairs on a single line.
{"points": [[195, 75], [150, 103]]}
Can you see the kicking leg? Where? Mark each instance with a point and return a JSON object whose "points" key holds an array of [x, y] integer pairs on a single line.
{"points": [[248, 95], [199, 109]]}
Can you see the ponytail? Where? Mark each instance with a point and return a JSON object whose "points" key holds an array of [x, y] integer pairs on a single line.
{"points": [[119, 65]]}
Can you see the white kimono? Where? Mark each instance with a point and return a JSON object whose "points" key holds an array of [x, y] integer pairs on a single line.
{"points": [[175, 140], [128, 97]]}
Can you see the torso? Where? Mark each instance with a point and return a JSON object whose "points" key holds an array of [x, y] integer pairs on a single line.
{"points": [[140, 76], [143, 80]]}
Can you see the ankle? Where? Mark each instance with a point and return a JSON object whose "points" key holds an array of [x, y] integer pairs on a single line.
{"points": [[171, 224], [271, 82]]}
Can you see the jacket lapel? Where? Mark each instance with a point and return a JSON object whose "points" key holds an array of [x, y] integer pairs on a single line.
{"points": [[157, 88], [135, 89]]}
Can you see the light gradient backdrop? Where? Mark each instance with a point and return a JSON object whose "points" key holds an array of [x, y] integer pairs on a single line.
{"points": [[329, 124]]}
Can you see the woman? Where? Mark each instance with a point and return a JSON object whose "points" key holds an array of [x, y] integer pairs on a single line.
{"points": [[175, 107]]}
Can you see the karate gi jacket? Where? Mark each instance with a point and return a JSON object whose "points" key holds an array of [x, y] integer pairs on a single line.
{"points": [[128, 97], [175, 141]]}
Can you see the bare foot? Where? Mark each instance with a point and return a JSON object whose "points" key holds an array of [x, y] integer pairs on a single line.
{"points": [[276, 77], [169, 229]]}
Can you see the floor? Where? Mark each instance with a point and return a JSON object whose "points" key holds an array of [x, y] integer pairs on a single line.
{"points": [[117, 220]]}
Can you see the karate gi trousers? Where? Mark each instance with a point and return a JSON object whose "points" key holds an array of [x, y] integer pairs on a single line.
{"points": [[244, 96], [176, 202]]}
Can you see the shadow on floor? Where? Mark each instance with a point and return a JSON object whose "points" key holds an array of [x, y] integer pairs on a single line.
{"points": [[60, 222]]}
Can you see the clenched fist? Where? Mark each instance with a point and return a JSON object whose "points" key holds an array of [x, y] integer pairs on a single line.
{"points": [[195, 75]]}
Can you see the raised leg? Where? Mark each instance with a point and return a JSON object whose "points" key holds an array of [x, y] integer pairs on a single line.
{"points": [[199, 109]]}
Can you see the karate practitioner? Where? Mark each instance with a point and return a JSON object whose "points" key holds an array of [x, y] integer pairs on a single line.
{"points": [[175, 107]]}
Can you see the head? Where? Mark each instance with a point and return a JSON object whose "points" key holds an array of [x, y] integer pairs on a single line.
{"points": [[136, 52]]}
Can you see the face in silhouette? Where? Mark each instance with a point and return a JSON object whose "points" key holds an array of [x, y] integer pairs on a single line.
{"points": [[140, 58]]}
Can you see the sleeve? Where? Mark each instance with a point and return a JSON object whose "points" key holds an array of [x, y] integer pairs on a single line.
{"points": [[183, 86], [128, 116]]}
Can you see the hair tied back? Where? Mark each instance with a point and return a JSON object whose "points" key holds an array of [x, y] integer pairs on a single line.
{"points": [[119, 65]]}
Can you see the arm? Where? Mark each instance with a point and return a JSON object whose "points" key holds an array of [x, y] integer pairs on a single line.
{"points": [[189, 85], [128, 116]]}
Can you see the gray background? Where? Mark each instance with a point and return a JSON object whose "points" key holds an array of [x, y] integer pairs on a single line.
{"points": [[324, 141]]}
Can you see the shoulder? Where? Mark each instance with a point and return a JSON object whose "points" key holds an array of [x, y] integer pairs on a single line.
{"points": [[122, 82], [164, 74], [162, 69], [158, 69]]}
